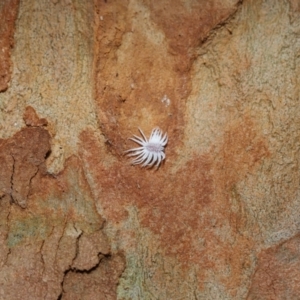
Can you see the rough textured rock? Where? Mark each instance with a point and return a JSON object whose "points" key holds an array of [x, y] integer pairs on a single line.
{"points": [[21, 158], [8, 15], [219, 219], [50, 227], [100, 283], [148, 55], [277, 274], [31, 118]]}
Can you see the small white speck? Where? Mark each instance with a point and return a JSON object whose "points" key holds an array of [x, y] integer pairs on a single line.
{"points": [[132, 86], [165, 100], [101, 18], [16, 124]]}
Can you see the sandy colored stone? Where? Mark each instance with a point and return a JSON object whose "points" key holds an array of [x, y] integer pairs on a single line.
{"points": [[52, 72], [220, 218]]}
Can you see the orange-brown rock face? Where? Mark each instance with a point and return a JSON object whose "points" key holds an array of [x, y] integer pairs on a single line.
{"points": [[277, 273], [21, 159], [219, 219], [51, 233], [194, 212], [144, 54], [8, 14]]}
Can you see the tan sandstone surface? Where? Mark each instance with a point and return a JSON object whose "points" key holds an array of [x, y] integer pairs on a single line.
{"points": [[219, 219]]}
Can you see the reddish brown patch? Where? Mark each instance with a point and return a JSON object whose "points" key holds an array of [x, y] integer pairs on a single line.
{"points": [[20, 159], [59, 229], [139, 67], [192, 209], [67, 199], [187, 24], [8, 15], [295, 5], [278, 272], [31, 118]]}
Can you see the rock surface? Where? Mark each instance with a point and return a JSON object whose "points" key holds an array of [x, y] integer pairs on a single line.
{"points": [[8, 15], [219, 219]]}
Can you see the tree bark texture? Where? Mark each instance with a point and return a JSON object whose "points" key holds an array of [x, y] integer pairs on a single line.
{"points": [[219, 219]]}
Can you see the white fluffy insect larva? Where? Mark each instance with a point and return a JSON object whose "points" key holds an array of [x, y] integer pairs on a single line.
{"points": [[151, 151]]}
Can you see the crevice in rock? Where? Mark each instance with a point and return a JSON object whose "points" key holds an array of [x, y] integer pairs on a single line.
{"points": [[48, 154], [12, 180], [59, 240], [29, 184], [101, 256], [42, 257], [77, 245], [75, 256], [8, 221], [7, 256], [74, 270]]}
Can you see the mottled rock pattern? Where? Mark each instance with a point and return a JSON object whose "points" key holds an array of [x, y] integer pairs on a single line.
{"points": [[20, 160], [219, 219], [278, 272], [8, 15], [50, 227]]}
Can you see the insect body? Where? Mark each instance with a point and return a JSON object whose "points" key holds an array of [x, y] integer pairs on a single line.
{"points": [[151, 151]]}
